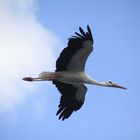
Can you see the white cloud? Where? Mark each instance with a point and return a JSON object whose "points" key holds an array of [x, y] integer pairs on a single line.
{"points": [[26, 48]]}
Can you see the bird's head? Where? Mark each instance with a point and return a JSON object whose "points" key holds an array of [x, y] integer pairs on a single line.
{"points": [[111, 84]]}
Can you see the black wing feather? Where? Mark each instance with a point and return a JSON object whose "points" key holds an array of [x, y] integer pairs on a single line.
{"points": [[89, 32], [79, 35], [82, 32]]}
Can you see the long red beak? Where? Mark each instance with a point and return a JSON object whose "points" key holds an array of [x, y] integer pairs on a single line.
{"points": [[118, 86]]}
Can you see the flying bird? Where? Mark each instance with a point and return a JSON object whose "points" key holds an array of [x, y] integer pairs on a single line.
{"points": [[70, 77]]}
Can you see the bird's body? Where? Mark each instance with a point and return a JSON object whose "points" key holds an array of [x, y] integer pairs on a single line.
{"points": [[70, 77]]}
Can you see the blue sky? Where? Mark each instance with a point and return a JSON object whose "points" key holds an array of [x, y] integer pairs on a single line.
{"points": [[37, 33]]}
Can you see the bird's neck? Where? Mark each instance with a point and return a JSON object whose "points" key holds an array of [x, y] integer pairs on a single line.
{"points": [[94, 82]]}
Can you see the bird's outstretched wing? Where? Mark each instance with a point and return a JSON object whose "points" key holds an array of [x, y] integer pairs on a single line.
{"points": [[72, 98], [73, 57]]}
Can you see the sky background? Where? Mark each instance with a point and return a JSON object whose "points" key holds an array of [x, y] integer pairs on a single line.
{"points": [[32, 35]]}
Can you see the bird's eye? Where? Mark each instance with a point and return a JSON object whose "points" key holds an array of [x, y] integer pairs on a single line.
{"points": [[110, 82]]}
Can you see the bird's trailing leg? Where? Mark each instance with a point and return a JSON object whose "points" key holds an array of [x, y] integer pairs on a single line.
{"points": [[30, 79], [44, 76]]}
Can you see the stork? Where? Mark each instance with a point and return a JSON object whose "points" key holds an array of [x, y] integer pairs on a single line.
{"points": [[70, 77]]}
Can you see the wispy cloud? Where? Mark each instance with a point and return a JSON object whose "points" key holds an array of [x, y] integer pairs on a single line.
{"points": [[26, 48]]}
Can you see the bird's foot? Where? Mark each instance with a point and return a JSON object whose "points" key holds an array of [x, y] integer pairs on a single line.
{"points": [[30, 79]]}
